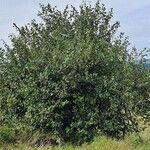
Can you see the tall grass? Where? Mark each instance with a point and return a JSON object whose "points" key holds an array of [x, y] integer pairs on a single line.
{"points": [[132, 142]]}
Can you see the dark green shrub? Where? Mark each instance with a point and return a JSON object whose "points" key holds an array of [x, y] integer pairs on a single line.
{"points": [[70, 76]]}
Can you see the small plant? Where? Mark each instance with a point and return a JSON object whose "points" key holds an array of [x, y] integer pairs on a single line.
{"points": [[7, 135]]}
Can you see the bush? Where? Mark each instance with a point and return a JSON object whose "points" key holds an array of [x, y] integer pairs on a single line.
{"points": [[70, 75]]}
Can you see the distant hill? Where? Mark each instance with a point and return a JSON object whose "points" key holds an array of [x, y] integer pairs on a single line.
{"points": [[146, 64]]}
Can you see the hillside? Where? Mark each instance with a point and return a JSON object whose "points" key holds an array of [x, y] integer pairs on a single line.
{"points": [[147, 64]]}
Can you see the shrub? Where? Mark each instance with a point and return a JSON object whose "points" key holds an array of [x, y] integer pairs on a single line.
{"points": [[70, 75]]}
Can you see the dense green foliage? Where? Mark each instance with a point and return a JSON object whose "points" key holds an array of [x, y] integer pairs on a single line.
{"points": [[72, 76]]}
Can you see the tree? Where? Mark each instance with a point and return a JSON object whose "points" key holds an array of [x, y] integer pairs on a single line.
{"points": [[70, 75]]}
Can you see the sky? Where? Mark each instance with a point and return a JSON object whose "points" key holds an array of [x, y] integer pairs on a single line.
{"points": [[133, 16]]}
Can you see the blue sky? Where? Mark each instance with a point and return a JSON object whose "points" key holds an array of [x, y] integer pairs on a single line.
{"points": [[132, 14]]}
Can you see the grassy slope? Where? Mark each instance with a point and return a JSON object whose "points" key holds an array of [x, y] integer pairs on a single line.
{"points": [[102, 143]]}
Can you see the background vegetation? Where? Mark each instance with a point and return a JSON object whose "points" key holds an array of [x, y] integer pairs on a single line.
{"points": [[71, 78]]}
